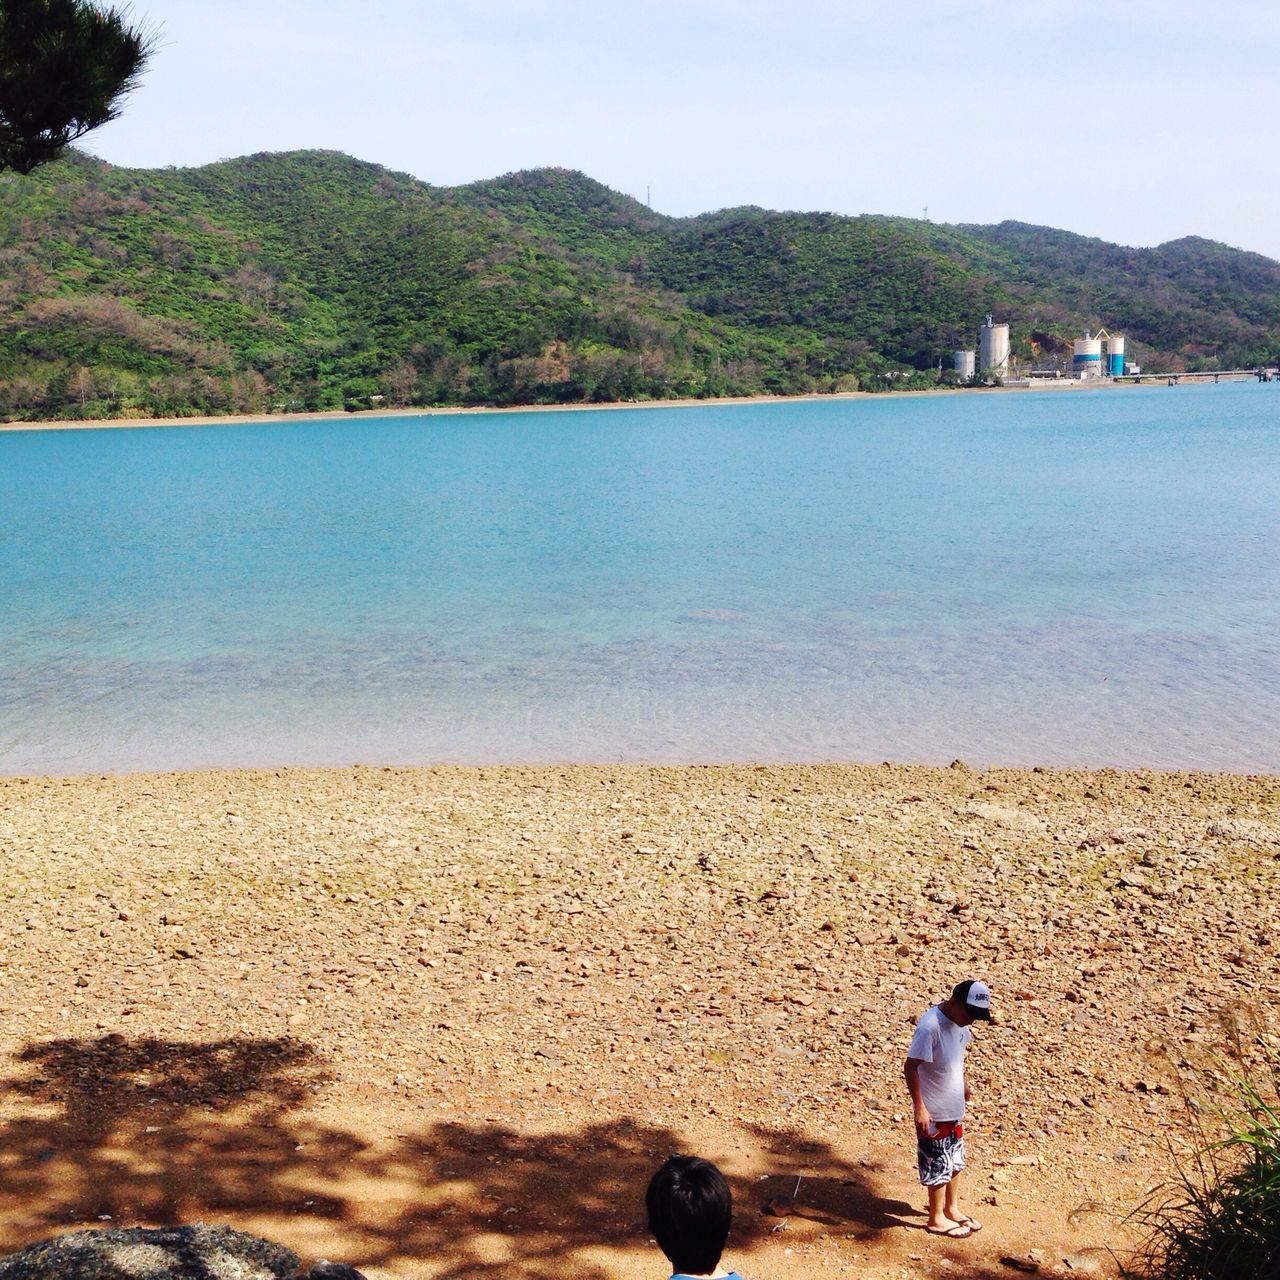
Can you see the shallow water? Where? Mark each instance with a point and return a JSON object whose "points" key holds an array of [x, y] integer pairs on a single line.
{"points": [[1062, 577]]}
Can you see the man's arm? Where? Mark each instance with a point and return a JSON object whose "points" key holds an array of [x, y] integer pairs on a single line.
{"points": [[911, 1073]]}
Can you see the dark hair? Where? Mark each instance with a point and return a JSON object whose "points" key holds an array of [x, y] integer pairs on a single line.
{"points": [[690, 1207]]}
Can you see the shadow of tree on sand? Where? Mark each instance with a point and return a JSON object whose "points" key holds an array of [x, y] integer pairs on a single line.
{"points": [[159, 1132]]}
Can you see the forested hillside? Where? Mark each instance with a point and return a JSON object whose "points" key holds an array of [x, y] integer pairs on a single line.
{"points": [[311, 280]]}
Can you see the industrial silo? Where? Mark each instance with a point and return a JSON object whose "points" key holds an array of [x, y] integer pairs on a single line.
{"points": [[993, 348], [1115, 355], [965, 363], [1087, 360]]}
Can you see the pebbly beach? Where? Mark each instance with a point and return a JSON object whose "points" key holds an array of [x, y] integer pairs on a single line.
{"points": [[438, 1021]]}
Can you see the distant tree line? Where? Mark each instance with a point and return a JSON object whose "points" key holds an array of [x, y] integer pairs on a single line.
{"points": [[310, 280]]}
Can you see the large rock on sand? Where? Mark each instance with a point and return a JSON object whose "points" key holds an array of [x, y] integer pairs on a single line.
{"points": [[197, 1252]]}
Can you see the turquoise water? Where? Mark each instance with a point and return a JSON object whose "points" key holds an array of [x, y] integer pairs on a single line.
{"points": [[1059, 577]]}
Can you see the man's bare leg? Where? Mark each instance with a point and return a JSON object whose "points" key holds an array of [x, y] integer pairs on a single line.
{"points": [[951, 1199], [938, 1219], [951, 1205]]}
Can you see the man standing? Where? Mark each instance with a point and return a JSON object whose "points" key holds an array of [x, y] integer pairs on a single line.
{"points": [[935, 1079]]}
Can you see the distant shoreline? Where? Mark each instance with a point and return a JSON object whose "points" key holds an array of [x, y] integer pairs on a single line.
{"points": [[331, 415]]}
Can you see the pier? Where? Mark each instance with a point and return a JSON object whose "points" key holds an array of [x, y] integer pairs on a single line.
{"points": [[1213, 375]]}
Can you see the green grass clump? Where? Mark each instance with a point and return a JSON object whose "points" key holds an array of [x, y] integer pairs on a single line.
{"points": [[1220, 1218]]}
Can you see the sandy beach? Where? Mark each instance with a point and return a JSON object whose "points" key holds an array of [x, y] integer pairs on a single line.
{"points": [[330, 415], [444, 1022]]}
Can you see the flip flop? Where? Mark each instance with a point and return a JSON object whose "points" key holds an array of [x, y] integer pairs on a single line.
{"points": [[958, 1232], [972, 1223]]}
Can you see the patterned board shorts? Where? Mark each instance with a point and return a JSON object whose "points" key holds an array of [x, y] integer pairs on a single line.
{"points": [[939, 1159]]}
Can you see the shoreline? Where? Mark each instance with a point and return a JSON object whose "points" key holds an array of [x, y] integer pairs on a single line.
{"points": [[194, 773], [334, 415]]}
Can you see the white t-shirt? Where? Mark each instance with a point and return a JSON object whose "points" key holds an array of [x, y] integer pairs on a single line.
{"points": [[940, 1044]]}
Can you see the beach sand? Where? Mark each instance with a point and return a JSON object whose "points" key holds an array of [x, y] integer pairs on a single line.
{"points": [[330, 415], [445, 1022]]}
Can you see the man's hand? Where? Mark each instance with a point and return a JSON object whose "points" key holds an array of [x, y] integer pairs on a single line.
{"points": [[924, 1122]]}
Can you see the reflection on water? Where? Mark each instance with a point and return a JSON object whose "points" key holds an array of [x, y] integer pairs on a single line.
{"points": [[1059, 578]]}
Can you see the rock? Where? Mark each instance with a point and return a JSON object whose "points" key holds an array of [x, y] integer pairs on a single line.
{"points": [[326, 1270], [1082, 1263], [1020, 1262], [1243, 829], [1006, 816], [198, 1252]]}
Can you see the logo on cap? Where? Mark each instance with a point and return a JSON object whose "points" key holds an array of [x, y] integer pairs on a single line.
{"points": [[976, 997]]}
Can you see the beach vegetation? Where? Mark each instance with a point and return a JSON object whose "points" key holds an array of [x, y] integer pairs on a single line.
{"points": [[1220, 1216]]}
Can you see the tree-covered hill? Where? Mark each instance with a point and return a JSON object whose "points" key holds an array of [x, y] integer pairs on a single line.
{"points": [[1189, 301], [909, 290], [312, 280]]}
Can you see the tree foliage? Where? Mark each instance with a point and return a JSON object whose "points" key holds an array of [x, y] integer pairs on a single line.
{"points": [[310, 280], [65, 66]]}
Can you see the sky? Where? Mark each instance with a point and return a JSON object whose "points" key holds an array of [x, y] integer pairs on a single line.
{"points": [[1137, 121]]}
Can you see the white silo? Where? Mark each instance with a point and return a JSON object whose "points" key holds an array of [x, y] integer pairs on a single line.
{"points": [[1115, 355], [1086, 361], [993, 348], [965, 363]]}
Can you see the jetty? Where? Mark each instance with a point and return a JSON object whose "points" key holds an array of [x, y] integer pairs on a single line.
{"points": [[1271, 374]]}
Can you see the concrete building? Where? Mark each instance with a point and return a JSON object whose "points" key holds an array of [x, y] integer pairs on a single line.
{"points": [[993, 348]]}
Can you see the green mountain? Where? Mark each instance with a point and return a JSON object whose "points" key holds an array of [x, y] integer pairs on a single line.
{"points": [[312, 280]]}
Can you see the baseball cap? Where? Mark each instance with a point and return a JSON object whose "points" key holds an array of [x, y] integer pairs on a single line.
{"points": [[975, 995]]}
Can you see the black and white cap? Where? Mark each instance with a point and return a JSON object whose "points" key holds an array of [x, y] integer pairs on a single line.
{"points": [[975, 995]]}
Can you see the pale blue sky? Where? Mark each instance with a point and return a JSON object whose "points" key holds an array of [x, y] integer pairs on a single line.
{"points": [[1138, 122]]}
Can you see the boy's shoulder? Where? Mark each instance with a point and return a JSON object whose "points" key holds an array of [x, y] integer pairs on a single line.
{"points": [[930, 1019]]}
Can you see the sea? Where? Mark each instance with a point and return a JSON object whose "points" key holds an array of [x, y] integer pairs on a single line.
{"points": [[1061, 578]]}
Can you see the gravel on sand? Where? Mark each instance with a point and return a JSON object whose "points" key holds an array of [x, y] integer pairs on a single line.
{"points": [[440, 1022]]}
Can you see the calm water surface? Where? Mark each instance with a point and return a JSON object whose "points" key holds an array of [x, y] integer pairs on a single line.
{"points": [[1061, 578]]}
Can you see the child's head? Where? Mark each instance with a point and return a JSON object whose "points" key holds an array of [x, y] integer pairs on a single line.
{"points": [[689, 1210]]}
